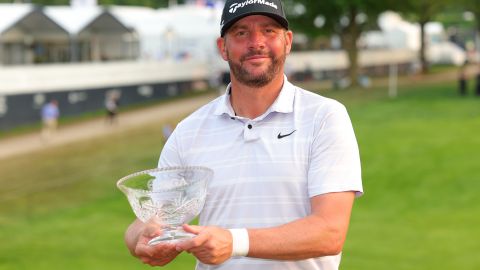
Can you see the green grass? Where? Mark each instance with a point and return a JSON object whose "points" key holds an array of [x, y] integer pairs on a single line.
{"points": [[420, 157], [60, 209]]}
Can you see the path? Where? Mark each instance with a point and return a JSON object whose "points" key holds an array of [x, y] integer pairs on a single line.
{"points": [[23, 144]]}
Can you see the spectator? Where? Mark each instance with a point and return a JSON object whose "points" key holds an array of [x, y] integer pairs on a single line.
{"points": [[477, 83], [462, 81], [166, 131], [50, 114], [111, 105]]}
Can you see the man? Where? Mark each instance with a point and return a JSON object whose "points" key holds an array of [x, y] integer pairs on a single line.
{"points": [[285, 160], [50, 114], [111, 105], [477, 85]]}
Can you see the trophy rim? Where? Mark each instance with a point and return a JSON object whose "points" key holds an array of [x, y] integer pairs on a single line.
{"points": [[159, 169]]}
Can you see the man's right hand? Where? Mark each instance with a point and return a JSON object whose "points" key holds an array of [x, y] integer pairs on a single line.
{"points": [[137, 237]]}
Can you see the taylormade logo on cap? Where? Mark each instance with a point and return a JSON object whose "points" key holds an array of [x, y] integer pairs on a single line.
{"points": [[235, 10], [235, 6]]}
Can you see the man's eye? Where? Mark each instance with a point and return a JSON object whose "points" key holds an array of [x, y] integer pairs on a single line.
{"points": [[271, 30], [241, 33]]}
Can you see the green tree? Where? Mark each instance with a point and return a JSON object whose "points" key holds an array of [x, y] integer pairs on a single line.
{"points": [[474, 7], [346, 18], [422, 12]]}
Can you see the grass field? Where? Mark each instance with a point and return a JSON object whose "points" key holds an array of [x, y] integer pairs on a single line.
{"points": [[60, 209]]}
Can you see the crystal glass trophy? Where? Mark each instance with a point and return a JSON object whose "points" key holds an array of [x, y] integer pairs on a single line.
{"points": [[169, 196]]}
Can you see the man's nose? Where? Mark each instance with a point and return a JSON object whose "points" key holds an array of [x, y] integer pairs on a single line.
{"points": [[257, 40]]}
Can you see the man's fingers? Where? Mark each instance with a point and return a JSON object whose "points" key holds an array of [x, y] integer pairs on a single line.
{"points": [[155, 262], [161, 249], [196, 241], [143, 250], [192, 228], [152, 229], [192, 242]]}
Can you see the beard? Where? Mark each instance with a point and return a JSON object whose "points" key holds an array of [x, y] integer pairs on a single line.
{"points": [[262, 79]]}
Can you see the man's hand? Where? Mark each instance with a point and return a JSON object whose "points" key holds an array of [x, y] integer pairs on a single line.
{"points": [[158, 255], [212, 245]]}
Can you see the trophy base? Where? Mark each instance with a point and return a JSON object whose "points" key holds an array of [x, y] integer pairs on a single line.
{"points": [[170, 236]]}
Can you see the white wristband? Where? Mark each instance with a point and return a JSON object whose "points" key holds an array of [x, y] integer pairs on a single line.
{"points": [[240, 242]]}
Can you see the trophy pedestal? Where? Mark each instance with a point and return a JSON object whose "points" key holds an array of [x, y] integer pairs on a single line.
{"points": [[170, 236]]}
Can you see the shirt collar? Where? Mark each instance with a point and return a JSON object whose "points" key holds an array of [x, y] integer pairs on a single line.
{"points": [[283, 103], [224, 106]]}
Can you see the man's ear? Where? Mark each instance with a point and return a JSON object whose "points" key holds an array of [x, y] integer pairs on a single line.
{"points": [[221, 47], [288, 40]]}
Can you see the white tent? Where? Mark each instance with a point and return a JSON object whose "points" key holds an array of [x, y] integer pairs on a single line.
{"points": [[149, 27], [74, 20], [83, 3], [27, 35], [186, 31], [11, 14], [196, 29], [397, 33], [181, 31], [95, 33]]}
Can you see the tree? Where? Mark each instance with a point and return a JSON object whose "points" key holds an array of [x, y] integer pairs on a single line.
{"points": [[474, 7], [423, 11], [346, 18]]}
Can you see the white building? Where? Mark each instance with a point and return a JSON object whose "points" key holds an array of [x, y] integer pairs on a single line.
{"points": [[178, 32], [95, 34], [397, 33], [28, 36], [32, 34], [84, 31]]}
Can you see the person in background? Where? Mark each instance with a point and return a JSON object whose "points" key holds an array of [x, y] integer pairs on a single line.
{"points": [[111, 105], [167, 130], [285, 160], [50, 114], [462, 80], [477, 83]]}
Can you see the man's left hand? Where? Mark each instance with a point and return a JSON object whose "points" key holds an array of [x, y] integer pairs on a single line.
{"points": [[212, 245]]}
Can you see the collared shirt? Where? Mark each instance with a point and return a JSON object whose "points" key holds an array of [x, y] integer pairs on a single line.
{"points": [[266, 169]]}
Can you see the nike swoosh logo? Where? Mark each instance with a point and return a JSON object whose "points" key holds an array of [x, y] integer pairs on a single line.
{"points": [[280, 136]]}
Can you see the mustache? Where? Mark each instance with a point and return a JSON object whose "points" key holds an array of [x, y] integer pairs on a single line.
{"points": [[256, 53]]}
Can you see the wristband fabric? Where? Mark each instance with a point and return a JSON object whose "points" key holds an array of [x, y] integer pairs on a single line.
{"points": [[240, 242]]}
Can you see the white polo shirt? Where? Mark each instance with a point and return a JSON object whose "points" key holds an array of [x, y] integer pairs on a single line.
{"points": [[267, 169]]}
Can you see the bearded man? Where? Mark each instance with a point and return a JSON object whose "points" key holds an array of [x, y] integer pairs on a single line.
{"points": [[285, 160]]}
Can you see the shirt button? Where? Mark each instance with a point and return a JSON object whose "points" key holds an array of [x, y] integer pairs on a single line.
{"points": [[249, 126]]}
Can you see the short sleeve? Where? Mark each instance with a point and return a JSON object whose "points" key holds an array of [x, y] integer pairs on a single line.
{"points": [[334, 155], [171, 155]]}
